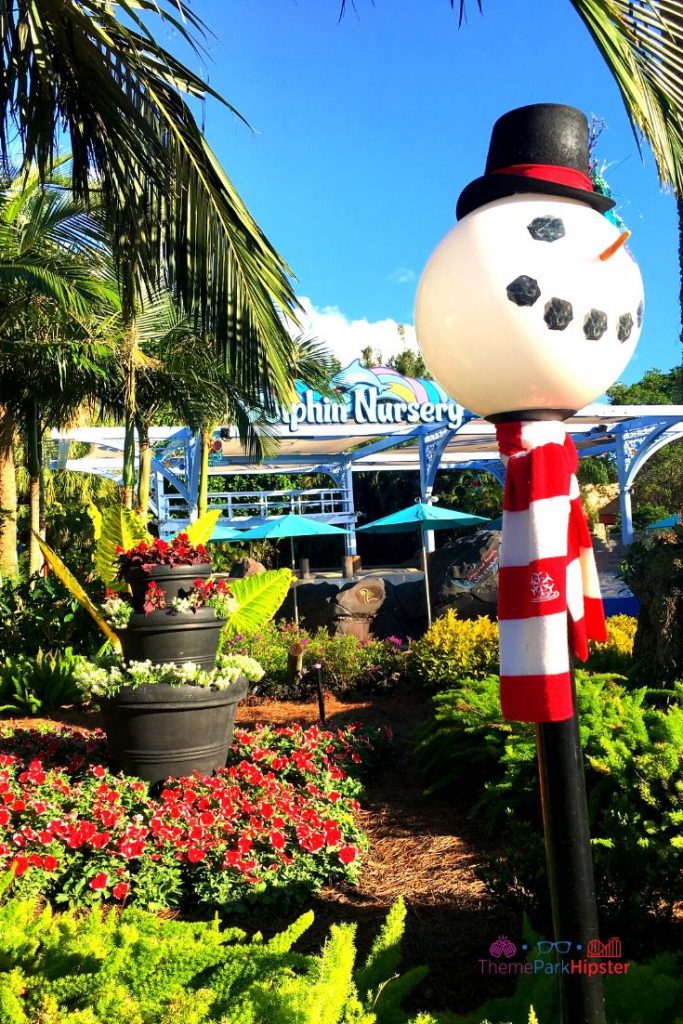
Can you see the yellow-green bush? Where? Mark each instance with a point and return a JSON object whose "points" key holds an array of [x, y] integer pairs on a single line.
{"points": [[453, 648], [615, 655]]}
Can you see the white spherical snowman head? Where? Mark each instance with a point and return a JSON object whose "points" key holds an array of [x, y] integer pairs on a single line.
{"points": [[530, 302]]}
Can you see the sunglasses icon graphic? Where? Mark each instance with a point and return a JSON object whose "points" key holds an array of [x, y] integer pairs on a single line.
{"points": [[545, 946]]}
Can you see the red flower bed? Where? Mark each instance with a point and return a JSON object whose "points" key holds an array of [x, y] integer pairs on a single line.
{"points": [[278, 821]]}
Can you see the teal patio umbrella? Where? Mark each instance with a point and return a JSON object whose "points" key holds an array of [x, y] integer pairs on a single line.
{"points": [[422, 516], [291, 526], [664, 524], [223, 532]]}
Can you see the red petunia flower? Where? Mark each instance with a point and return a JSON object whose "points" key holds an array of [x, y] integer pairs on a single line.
{"points": [[195, 854], [347, 854], [277, 840], [100, 881], [120, 890]]}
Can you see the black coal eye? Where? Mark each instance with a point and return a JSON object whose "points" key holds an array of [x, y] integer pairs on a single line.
{"points": [[625, 326], [639, 313], [523, 291], [558, 314], [595, 324], [546, 229]]}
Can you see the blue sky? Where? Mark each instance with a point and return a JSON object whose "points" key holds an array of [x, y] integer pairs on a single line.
{"points": [[366, 131]]}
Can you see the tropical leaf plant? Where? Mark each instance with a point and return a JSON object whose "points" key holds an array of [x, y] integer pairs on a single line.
{"points": [[120, 528], [257, 598], [200, 531], [95, 517], [74, 587]]}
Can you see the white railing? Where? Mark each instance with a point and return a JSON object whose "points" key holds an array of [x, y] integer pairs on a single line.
{"points": [[329, 503]]}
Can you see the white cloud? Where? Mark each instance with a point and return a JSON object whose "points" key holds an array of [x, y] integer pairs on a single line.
{"points": [[346, 338], [402, 275]]}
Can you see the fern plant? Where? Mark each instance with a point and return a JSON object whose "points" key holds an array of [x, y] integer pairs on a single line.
{"points": [[40, 685], [138, 968]]}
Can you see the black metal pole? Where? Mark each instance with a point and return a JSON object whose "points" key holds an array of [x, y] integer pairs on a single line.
{"points": [[570, 862], [321, 697]]}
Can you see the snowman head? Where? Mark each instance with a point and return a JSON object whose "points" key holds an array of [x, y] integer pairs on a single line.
{"points": [[529, 302]]}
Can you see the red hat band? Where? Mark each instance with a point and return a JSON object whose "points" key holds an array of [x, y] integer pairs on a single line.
{"points": [[550, 172]]}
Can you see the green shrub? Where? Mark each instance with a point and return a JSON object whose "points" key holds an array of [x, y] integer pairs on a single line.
{"points": [[452, 648], [40, 685], [616, 653], [137, 968], [634, 775], [347, 663], [39, 614]]}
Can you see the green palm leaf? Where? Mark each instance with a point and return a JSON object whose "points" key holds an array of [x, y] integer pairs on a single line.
{"points": [[120, 97], [641, 43]]}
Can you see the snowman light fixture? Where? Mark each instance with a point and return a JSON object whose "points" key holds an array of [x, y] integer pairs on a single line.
{"points": [[528, 309], [532, 301]]}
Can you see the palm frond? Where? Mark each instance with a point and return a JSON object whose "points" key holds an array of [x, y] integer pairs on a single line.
{"points": [[119, 98], [313, 363], [642, 43]]}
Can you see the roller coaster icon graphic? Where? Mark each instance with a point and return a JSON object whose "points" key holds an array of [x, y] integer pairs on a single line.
{"points": [[609, 950]]}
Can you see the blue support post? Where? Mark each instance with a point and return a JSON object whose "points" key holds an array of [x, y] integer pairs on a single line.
{"points": [[350, 546], [624, 490], [433, 443]]}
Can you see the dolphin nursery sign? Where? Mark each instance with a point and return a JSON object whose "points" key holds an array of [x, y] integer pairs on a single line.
{"points": [[370, 397]]}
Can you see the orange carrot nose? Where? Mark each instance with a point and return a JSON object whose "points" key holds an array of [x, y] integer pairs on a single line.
{"points": [[611, 249]]}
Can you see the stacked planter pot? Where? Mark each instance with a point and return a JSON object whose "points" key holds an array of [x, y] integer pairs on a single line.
{"points": [[157, 731]]}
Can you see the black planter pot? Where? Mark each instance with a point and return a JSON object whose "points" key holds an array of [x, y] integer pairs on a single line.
{"points": [[158, 731], [164, 636], [174, 580]]}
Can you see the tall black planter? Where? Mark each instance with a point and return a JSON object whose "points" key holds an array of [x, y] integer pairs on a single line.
{"points": [[174, 580], [158, 731], [163, 636]]}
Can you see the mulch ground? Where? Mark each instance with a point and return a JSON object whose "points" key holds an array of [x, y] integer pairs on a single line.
{"points": [[424, 850]]}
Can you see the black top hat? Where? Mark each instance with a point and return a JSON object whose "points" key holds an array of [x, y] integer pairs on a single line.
{"points": [[541, 148]]}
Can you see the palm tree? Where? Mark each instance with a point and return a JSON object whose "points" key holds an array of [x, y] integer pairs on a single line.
{"points": [[70, 67], [641, 42], [50, 263]]}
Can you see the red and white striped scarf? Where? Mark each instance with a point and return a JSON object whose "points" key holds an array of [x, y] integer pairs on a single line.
{"points": [[548, 588]]}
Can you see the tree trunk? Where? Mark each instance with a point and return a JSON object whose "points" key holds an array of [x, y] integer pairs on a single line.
{"points": [[35, 555], [42, 519], [129, 354], [203, 496], [145, 469], [8, 497]]}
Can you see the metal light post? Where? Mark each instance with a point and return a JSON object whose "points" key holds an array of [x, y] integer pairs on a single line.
{"points": [[529, 308]]}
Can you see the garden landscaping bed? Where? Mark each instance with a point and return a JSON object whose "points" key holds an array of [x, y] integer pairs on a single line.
{"points": [[425, 851]]}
